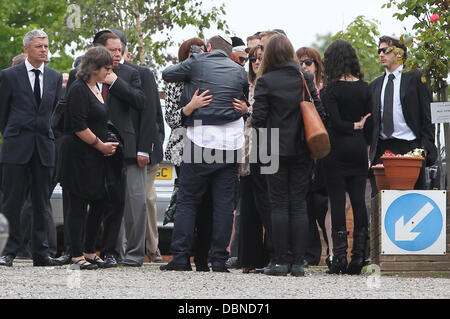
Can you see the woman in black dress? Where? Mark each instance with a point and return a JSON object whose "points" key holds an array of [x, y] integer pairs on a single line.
{"points": [[84, 153], [346, 98]]}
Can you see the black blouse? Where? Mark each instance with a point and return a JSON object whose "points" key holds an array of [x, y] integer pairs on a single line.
{"points": [[85, 111], [346, 103]]}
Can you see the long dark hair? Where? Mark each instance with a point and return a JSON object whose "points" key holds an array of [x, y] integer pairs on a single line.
{"points": [[340, 59]]}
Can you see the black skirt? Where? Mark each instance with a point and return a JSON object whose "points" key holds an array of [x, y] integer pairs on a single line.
{"points": [[82, 168]]}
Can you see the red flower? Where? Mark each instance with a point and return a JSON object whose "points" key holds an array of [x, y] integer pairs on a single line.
{"points": [[434, 17], [388, 153]]}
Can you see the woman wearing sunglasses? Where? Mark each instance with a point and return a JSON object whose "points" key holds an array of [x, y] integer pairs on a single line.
{"points": [[311, 62], [254, 226]]}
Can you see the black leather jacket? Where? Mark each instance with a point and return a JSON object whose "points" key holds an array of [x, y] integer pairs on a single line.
{"points": [[214, 71]]}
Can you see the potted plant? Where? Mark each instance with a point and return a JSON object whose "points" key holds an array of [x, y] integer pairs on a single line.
{"points": [[380, 177], [402, 171]]}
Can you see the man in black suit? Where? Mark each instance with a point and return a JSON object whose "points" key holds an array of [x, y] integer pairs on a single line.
{"points": [[28, 94], [401, 110], [131, 241]]}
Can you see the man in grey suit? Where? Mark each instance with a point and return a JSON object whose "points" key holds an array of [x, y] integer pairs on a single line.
{"points": [[28, 95]]}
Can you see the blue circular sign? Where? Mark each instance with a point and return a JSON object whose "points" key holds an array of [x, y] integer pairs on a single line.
{"points": [[413, 222]]}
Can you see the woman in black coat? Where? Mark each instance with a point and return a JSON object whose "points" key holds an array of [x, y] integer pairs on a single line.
{"points": [[278, 94], [347, 100], [83, 155]]}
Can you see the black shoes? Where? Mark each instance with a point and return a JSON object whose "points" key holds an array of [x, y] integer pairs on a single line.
{"points": [[232, 263], [109, 262], [297, 271], [44, 262], [202, 267], [6, 260], [176, 267], [83, 264], [360, 241], [338, 265], [276, 270], [63, 260]]}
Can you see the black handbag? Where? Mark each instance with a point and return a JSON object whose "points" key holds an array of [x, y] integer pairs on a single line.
{"points": [[169, 214], [58, 118]]}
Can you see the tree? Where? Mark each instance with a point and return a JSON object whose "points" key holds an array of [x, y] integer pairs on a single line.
{"points": [[322, 42], [71, 26], [429, 50], [20, 16], [363, 35]]}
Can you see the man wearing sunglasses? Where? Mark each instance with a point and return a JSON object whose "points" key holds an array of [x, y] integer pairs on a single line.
{"points": [[239, 49], [401, 109]]}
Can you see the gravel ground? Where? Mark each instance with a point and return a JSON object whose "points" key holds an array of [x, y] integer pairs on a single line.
{"points": [[148, 282]]}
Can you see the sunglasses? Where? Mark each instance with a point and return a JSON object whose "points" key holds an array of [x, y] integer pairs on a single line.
{"points": [[243, 59], [385, 50], [308, 62], [253, 59], [198, 48]]}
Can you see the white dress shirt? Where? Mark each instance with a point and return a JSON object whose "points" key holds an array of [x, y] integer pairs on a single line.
{"points": [[32, 75], [228, 136], [401, 129]]}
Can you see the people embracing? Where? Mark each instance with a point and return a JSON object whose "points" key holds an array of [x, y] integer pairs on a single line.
{"points": [[174, 149], [347, 99], [215, 134]]}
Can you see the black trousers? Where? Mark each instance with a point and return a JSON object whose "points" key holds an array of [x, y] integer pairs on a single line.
{"points": [[26, 222], [356, 188], [397, 146], [255, 247], [15, 179], [81, 222], [287, 192], [195, 179]]}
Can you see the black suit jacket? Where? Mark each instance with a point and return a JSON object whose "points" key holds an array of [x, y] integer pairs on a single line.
{"points": [[125, 94], [148, 123], [415, 98], [23, 123]]}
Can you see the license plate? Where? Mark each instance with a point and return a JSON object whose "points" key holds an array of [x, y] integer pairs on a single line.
{"points": [[164, 172]]}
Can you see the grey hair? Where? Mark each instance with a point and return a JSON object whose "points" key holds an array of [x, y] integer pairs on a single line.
{"points": [[28, 38]]}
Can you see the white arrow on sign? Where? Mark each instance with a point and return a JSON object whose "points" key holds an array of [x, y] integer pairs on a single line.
{"points": [[403, 231]]}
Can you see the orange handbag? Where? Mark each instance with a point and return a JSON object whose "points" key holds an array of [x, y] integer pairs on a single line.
{"points": [[316, 134]]}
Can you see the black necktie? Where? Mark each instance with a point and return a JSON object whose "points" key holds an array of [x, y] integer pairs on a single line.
{"points": [[388, 119], [37, 86]]}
